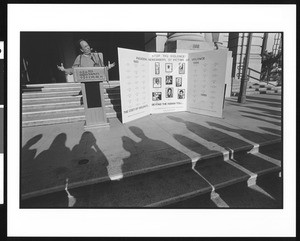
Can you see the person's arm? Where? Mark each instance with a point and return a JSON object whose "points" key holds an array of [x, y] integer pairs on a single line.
{"points": [[100, 57], [67, 71], [111, 65], [70, 70]]}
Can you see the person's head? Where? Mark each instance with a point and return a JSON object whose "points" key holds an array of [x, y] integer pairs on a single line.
{"points": [[169, 91], [157, 81], [84, 46], [181, 92]]}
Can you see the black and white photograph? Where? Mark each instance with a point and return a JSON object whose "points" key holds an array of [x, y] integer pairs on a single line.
{"points": [[102, 126], [169, 79], [181, 68], [178, 81], [157, 68], [156, 96], [73, 158], [63, 155], [157, 82], [169, 68], [169, 92], [181, 94]]}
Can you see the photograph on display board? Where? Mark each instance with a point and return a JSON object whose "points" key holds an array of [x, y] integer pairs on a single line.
{"points": [[169, 92], [181, 68], [157, 82], [181, 94], [156, 96], [169, 79], [157, 68], [169, 67], [178, 81]]}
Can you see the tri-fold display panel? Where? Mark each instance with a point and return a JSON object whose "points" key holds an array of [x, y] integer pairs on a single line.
{"points": [[170, 82]]}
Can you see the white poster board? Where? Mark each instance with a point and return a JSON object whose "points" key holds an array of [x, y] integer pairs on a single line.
{"points": [[228, 78], [170, 82], [168, 74], [134, 84], [206, 82]]}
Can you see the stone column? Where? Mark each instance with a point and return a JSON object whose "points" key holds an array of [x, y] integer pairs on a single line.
{"points": [[190, 42], [155, 42]]}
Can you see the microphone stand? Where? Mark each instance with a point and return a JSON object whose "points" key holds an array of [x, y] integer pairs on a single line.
{"points": [[107, 67]]}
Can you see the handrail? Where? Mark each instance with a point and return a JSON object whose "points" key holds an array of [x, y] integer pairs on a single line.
{"points": [[254, 70], [249, 76]]}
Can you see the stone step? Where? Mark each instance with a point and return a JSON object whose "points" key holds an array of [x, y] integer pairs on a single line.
{"points": [[252, 92], [65, 89], [248, 197], [50, 120], [111, 83], [58, 99], [50, 106], [113, 108], [41, 113], [51, 89], [45, 100], [62, 105], [165, 185], [113, 94], [49, 94]]}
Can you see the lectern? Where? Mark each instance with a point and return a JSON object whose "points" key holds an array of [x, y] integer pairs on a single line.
{"points": [[91, 79]]}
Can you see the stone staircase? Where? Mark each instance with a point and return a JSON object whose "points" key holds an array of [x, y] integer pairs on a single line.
{"points": [[255, 87], [46, 104], [172, 185]]}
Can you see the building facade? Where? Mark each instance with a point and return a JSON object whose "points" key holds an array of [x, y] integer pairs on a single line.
{"points": [[41, 52]]}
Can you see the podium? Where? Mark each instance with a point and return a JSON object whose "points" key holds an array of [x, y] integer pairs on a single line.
{"points": [[91, 79]]}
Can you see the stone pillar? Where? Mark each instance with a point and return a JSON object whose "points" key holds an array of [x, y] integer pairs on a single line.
{"points": [[190, 42], [155, 42]]}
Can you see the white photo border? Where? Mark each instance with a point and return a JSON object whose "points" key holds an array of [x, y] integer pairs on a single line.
{"points": [[153, 222]]}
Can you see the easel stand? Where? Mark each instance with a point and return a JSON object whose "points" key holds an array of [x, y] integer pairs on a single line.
{"points": [[93, 95]]}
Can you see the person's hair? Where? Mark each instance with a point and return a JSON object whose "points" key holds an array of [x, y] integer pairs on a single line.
{"points": [[79, 41]]}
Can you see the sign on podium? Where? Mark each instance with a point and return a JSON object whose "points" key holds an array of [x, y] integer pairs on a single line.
{"points": [[91, 79]]}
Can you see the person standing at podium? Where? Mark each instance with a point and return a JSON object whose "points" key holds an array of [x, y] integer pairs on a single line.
{"points": [[86, 59]]}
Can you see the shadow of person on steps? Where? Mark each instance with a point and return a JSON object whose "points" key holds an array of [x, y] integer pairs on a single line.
{"points": [[88, 162], [28, 155], [212, 135], [247, 134], [50, 168], [149, 153]]}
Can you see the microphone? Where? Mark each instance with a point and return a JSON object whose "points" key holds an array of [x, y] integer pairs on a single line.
{"points": [[93, 50]]}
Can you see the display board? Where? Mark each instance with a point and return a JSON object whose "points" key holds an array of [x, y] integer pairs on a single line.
{"points": [[207, 73], [168, 77], [134, 84], [170, 82], [228, 79]]}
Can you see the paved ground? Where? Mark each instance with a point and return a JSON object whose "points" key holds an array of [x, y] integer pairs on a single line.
{"points": [[51, 154]]}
